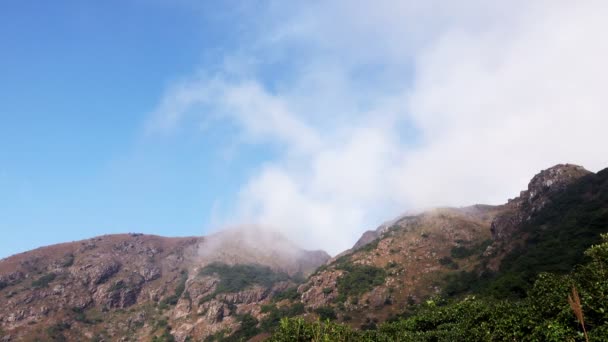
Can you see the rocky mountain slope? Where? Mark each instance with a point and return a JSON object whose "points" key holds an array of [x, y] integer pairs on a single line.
{"points": [[134, 286], [440, 251], [237, 284]]}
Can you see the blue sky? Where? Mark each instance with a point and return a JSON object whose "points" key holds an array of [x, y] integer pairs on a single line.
{"points": [[319, 119], [79, 80]]}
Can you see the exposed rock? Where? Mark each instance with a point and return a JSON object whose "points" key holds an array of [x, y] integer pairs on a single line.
{"points": [[182, 331], [213, 311], [252, 295], [366, 238], [182, 309], [203, 286], [99, 274], [150, 272], [539, 192], [312, 293]]}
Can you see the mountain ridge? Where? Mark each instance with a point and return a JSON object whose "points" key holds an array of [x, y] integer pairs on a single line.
{"points": [[142, 287]]}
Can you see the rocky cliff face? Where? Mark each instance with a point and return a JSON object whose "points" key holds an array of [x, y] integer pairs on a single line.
{"points": [[540, 190], [133, 286]]}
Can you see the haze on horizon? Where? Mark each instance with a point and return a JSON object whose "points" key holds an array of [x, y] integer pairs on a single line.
{"points": [[319, 119]]}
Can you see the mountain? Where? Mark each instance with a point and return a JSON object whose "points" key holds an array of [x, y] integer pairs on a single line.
{"points": [[541, 277], [237, 284], [451, 251], [135, 286]]}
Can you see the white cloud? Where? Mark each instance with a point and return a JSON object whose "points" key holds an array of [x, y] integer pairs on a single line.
{"points": [[397, 105]]}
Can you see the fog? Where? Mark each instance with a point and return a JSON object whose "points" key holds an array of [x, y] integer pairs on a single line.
{"points": [[399, 105]]}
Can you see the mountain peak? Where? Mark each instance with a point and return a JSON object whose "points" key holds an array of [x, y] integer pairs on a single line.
{"points": [[255, 244], [553, 179]]}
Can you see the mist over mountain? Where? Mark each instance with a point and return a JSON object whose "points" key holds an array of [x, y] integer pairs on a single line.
{"points": [[238, 283]]}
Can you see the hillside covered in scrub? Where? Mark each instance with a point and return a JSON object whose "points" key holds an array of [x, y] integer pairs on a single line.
{"points": [[568, 306], [474, 273]]}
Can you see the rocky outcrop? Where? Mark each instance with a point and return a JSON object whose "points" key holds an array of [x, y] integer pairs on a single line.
{"points": [[314, 293], [540, 190], [366, 238], [119, 294], [101, 273], [150, 272]]}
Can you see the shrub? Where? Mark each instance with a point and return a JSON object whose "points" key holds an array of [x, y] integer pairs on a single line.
{"points": [[297, 329], [55, 331], [80, 316], [448, 262], [358, 279], [392, 264], [246, 330], [275, 314], [235, 278], [44, 281], [117, 286], [326, 313], [179, 290], [461, 252], [370, 246], [164, 337], [289, 294], [68, 260]]}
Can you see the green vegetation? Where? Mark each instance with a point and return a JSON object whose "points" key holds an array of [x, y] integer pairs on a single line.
{"points": [[558, 234], [275, 314], [44, 281], [392, 264], [554, 240], [297, 329], [289, 294], [165, 336], [218, 336], [544, 315], [326, 313], [68, 260], [179, 290], [80, 316], [235, 278], [461, 252], [358, 279], [55, 331], [448, 262], [117, 286], [370, 246], [247, 329]]}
